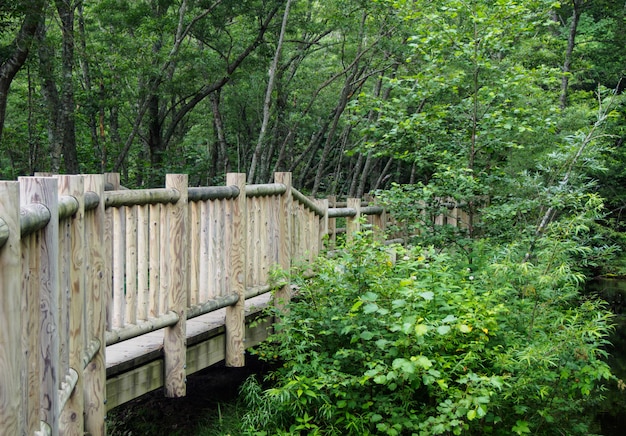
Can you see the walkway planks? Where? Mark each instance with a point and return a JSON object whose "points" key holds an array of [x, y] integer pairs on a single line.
{"points": [[135, 366]]}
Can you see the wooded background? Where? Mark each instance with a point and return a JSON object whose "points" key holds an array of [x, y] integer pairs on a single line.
{"points": [[349, 95]]}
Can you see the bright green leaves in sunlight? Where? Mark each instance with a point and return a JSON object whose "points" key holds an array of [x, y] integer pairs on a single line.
{"points": [[423, 346]]}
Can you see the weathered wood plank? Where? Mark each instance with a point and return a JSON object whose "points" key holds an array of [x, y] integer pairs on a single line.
{"points": [[194, 252], [352, 223], [71, 420], [154, 262], [143, 262], [96, 288], [130, 257], [119, 255], [174, 344], [44, 190], [285, 224], [13, 410], [235, 256]]}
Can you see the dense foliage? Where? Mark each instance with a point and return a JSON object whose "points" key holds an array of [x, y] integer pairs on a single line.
{"points": [[427, 344], [349, 95]]}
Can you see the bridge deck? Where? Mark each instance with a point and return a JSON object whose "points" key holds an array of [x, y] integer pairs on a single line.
{"points": [[135, 366]]}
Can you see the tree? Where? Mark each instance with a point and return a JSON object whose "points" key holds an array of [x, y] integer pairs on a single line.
{"points": [[28, 16]]}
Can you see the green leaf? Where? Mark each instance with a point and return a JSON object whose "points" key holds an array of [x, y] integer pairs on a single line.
{"points": [[471, 414], [421, 329], [367, 335], [428, 295], [423, 361], [521, 427], [443, 329], [404, 365], [464, 328], [370, 308]]}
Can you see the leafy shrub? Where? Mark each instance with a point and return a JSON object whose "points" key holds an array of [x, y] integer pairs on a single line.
{"points": [[423, 345]]}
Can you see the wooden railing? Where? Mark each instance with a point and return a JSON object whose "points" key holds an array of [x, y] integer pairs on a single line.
{"points": [[82, 268]]}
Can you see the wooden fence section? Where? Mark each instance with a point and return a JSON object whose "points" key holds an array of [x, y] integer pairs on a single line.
{"points": [[82, 268]]}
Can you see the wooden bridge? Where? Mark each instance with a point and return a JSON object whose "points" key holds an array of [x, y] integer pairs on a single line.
{"points": [[108, 293]]}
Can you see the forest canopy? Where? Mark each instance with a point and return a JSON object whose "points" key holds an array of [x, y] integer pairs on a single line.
{"points": [[349, 95]]}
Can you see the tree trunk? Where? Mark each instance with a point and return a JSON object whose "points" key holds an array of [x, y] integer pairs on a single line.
{"points": [[65, 9], [268, 96], [18, 52], [52, 99], [571, 42], [218, 125]]}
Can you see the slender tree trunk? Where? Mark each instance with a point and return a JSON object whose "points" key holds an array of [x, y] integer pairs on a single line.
{"points": [[383, 175], [218, 125], [16, 53], [268, 96], [365, 175], [346, 92], [52, 99], [65, 9], [95, 111], [571, 42]]}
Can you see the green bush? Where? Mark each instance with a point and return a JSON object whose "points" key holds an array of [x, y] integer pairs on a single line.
{"points": [[423, 345]]}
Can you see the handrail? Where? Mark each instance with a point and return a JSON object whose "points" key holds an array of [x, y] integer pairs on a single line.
{"points": [[265, 190], [339, 212], [133, 330], [33, 217], [140, 197], [213, 193], [307, 202], [212, 305]]}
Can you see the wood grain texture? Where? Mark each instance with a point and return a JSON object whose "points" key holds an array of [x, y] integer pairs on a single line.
{"points": [[119, 263], [130, 265], [44, 190], [194, 252], [352, 223], [71, 419], [285, 226], [143, 264], [154, 262], [235, 256], [174, 344], [96, 288], [13, 415]]}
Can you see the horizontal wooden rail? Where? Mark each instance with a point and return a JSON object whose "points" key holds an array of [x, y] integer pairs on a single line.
{"points": [[307, 202], [140, 197], [213, 193], [86, 264], [212, 305], [130, 331], [33, 217], [265, 190], [92, 200], [341, 212]]}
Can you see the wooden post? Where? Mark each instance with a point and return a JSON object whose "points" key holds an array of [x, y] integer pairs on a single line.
{"points": [[175, 341], [96, 289], [323, 227], [235, 244], [353, 224], [283, 295], [44, 190], [332, 224], [143, 257], [112, 179], [13, 416], [71, 419]]}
